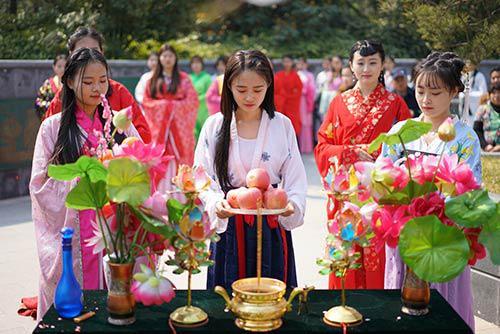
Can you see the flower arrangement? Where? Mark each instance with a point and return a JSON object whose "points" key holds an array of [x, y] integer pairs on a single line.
{"points": [[116, 182], [431, 207]]}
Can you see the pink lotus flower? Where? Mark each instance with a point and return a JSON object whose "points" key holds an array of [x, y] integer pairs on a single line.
{"points": [[423, 167], [97, 241], [191, 180], [446, 131], [387, 224], [377, 179], [149, 154], [150, 288], [122, 119], [157, 204], [457, 177]]}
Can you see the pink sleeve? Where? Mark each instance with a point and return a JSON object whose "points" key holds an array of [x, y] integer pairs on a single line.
{"points": [[310, 93], [213, 98], [49, 215]]}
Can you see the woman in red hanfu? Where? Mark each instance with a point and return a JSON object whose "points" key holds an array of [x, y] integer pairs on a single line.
{"points": [[288, 92], [171, 107], [354, 119]]}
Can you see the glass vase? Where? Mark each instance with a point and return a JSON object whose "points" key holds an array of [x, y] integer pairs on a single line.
{"points": [[415, 294]]}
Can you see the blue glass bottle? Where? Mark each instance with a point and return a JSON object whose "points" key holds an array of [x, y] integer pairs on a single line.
{"points": [[68, 297]]}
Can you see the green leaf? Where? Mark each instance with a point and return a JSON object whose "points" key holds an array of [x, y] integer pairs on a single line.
{"points": [[195, 271], [490, 237], [178, 271], [325, 271], [153, 225], [410, 131], [435, 252], [83, 166], [471, 209], [82, 197], [128, 181], [175, 210], [410, 191]]}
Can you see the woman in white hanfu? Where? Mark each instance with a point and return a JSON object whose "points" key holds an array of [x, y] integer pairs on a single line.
{"points": [[249, 134], [437, 81]]}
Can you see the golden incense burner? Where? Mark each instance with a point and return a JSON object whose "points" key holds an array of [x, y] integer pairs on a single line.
{"points": [[258, 308], [258, 302]]}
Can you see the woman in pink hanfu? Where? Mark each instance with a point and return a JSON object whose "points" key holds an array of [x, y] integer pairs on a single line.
{"points": [[62, 139], [306, 106]]}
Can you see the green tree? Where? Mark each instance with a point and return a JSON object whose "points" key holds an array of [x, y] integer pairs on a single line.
{"points": [[469, 27]]}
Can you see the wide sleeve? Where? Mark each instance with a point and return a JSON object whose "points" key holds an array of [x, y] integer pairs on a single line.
{"points": [[468, 149], [49, 215], [213, 98], [294, 180], [141, 88], [402, 110], [126, 99], [55, 106], [205, 156], [327, 147]]}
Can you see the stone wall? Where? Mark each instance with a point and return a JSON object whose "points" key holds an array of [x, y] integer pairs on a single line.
{"points": [[19, 82]]}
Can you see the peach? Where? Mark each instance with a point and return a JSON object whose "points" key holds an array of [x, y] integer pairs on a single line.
{"points": [[249, 198], [275, 198], [258, 178], [232, 197]]}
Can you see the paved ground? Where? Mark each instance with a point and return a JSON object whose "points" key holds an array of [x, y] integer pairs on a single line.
{"points": [[19, 265]]}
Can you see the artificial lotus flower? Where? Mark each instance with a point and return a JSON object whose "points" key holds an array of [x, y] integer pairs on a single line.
{"points": [[150, 288], [97, 241], [457, 177], [446, 131], [339, 180], [378, 178], [157, 205], [387, 224], [191, 180], [149, 154], [423, 167], [122, 119]]}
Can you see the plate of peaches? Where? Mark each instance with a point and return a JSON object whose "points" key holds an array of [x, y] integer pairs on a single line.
{"points": [[258, 193]]}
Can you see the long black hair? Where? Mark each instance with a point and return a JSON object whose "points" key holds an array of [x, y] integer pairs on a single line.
{"points": [[446, 66], [69, 138], [244, 60], [157, 79], [369, 48]]}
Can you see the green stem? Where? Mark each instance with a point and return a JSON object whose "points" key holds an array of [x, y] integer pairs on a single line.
{"points": [[406, 156], [151, 263]]}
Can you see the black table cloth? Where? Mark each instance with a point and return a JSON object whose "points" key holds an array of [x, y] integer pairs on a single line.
{"points": [[381, 311]]}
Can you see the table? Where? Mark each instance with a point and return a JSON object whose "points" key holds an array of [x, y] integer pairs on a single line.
{"points": [[380, 309]]}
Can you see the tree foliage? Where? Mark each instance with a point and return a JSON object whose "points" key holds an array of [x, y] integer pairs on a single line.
{"points": [[312, 28]]}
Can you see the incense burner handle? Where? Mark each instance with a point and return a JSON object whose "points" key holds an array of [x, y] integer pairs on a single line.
{"points": [[295, 292], [223, 293]]}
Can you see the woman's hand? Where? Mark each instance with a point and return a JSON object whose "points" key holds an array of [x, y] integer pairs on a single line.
{"points": [[222, 209], [290, 210], [363, 155]]}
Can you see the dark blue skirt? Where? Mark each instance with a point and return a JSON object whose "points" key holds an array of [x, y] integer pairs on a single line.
{"points": [[226, 269]]}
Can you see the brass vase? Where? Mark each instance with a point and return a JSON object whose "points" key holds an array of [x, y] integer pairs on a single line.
{"points": [[120, 302], [415, 294]]}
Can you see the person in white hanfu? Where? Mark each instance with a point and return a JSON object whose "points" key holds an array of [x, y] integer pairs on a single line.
{"points": [[437, 81], [248, 134], [141, 85]]}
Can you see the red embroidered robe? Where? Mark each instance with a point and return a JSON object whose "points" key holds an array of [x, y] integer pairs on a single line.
{"points": [[352, 122]]}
